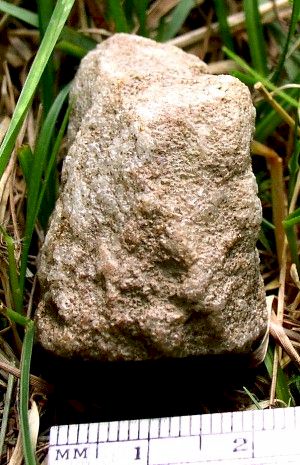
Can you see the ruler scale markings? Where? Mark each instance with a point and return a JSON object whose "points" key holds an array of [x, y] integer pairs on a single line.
{"points": [[185, 426], [83, 434], [164, 427], [195, 425], [93, 433], [216, 425], [144, 429], [73, 434], [234, 438], [133, 430], [154, 428], [247, 418], [53, 437], [124, 430], [226, 422], [279, 417], [237, 422], [206, 423], [113, 431], [268, 419], [174, 428], [297, 419], [62, 435], [290, 419], [258, 422], [103, 432]]}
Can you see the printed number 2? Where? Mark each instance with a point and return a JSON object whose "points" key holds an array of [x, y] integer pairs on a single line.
{"points": [[138, 453], [241, 444]]}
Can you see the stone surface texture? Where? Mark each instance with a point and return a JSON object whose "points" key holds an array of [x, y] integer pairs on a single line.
{"points": [[151, 248]]}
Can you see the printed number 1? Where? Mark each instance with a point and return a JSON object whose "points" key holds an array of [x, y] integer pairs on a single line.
{"points": [[138, 453]]}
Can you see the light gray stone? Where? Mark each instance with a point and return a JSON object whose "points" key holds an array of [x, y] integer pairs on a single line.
{"points": [[151, 248]]}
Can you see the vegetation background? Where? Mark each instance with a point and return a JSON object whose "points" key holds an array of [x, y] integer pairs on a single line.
{"points": [[41, 45]]}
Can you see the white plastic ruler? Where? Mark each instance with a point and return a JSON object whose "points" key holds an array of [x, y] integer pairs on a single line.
{"points": [[257, 437]]}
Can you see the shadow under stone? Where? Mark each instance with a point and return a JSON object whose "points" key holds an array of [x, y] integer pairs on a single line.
{"points": [[93, 391]]}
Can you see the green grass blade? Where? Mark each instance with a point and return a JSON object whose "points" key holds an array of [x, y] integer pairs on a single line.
{"points": [[263, 239], [72, 49], [224, 29], [253, 398], [255, 37], [12, 269], [39, 165], [292, 58], [293, 25], [140, 7], [179, 15], [53, 157], [282, 388], [77, 38], [293, 166], [47, 84], [292, 241], [15, 316], [292, 219], [75, 43], [6, 409], [289, 226], [72, 42], [245, 78], [259, 78], [59, 17], [28, 451], [267, 121], [117, 15], [19, 13], [25, 157], [267, 224]]}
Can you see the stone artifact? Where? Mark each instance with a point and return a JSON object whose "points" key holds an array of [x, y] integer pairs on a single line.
{"points": [[151, 248]]}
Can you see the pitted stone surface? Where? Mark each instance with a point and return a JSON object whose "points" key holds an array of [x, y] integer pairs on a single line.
{"points": [[151, 248]]}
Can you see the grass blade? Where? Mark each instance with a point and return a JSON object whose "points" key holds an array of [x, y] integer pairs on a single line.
{"points": [[117, 14], [19, 13], [253, 398], [59, 17], [259, 78], [72, 42], [245, 78], [140, 7], [293, 24], [53, 157], [289, 225], [255, 37], [45, 10], [15, 316], [25, 157], [24, 394], [282, 388], [6, 409], [293, 166], [13, 273], [39, 164], [224, 29], [179, 15]]}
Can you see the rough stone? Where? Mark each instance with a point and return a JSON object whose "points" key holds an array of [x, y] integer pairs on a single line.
{"points": [[151, 248]]}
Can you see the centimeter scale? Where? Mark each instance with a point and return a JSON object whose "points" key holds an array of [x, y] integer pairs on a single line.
{"points": [[257, 437]]}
